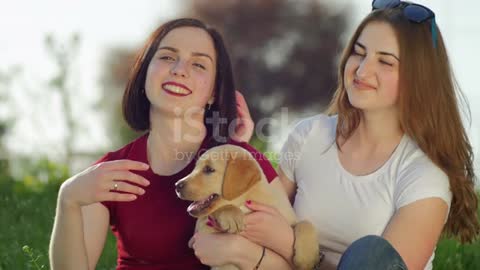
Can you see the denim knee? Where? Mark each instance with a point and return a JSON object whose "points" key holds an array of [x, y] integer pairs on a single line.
{"points": [[371, 252]]}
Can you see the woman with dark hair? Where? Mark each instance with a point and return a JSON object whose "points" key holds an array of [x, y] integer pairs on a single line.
{"points": [[181, 92], [389, 167]]}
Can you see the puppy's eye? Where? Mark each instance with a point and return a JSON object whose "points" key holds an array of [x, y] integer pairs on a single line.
{"points": [[208, 170]]}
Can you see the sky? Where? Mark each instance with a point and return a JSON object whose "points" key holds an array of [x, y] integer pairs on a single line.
{"points": [[103, 25]]}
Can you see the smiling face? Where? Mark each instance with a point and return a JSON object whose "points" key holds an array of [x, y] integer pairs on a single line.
{"points": [[181, 74], [372, 69]]}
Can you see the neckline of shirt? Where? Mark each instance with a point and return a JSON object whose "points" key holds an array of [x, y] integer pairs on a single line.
{"points": [[378, 171], [180, 173]]}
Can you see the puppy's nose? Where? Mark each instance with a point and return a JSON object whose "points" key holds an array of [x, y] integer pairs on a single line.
{"points": [[179, 185]]}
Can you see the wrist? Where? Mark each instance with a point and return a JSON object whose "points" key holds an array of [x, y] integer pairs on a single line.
{"points": [[285, 248], [64, 202], [260, 260], [245, 254]]}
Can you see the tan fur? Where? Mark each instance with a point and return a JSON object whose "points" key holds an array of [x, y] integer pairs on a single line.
{"points": [[237, 177], [306, 251], [245, 168]]}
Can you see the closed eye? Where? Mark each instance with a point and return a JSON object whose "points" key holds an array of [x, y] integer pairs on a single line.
{"points": [[166, 57], [199, 66], [208, 170], [354, 52], [386, 63]]}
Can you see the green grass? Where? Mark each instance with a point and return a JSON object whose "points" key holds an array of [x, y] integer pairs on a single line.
{"points": [[451, 255], [27, 210], [26, 219]]}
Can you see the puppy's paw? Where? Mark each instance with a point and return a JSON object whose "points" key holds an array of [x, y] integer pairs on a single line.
{"points": [[229, 219], [305, 250]]}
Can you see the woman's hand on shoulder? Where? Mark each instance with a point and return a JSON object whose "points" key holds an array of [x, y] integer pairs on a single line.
{"points": [[244, 126], [98, 183]]}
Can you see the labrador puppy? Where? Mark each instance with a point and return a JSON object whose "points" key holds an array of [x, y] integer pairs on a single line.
{"points": [[223, 179]]}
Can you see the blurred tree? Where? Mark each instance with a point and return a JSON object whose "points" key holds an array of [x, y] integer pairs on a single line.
{"points": [[6, 115], [64, 55], [5, 81], [283, 52], [114, 80]]}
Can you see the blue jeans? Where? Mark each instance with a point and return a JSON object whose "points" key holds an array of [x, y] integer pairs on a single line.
{"points": [[371, 253]]}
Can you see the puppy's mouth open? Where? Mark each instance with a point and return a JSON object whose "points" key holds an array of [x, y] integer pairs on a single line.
{"points": [[197, 207]]}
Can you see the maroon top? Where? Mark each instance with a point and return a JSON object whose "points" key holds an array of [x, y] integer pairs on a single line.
{"points": [[153, 231]]}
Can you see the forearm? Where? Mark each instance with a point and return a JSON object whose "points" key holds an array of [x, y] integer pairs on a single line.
{"points": [[67, 245], [283, 246], [249, 256], [285, 249]]}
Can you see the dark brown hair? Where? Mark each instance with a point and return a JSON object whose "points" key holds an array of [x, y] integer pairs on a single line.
{"points": [[136, 107], [429, 100]]}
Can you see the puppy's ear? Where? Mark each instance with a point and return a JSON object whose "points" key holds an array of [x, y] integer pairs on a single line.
{"points": [[240, 174]]}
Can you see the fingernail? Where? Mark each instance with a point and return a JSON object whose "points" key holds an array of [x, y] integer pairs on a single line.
{"points": [[249, 202], [147, 182], [209, 224], [145, 165]]}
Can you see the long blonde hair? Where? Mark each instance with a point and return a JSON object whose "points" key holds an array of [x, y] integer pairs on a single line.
{"points": [[429, 113]]}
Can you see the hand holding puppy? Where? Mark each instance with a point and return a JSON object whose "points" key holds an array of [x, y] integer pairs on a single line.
{"points": [[267, 227]]}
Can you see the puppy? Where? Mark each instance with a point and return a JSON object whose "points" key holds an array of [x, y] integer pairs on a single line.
{"points": [[223, 179]]}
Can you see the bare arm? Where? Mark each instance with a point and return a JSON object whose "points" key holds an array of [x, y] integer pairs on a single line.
{"points": [[283, 242], [267, 227], [78, 236], [251, 254], [81, 222], [215, 249], [288, 185], [67, 247], [95, 227], [417, 225]]}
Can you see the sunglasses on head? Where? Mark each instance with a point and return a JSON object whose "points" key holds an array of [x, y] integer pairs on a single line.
{"points": [[413, 12]]}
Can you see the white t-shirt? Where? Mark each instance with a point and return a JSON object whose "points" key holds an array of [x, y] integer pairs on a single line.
{"points": [[345, 207]]}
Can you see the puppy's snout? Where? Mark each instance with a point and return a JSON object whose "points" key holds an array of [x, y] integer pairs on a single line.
{"points": [[179, 185]]}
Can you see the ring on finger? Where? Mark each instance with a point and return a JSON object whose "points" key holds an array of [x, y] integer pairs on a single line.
{"points": [[115, 186]]}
